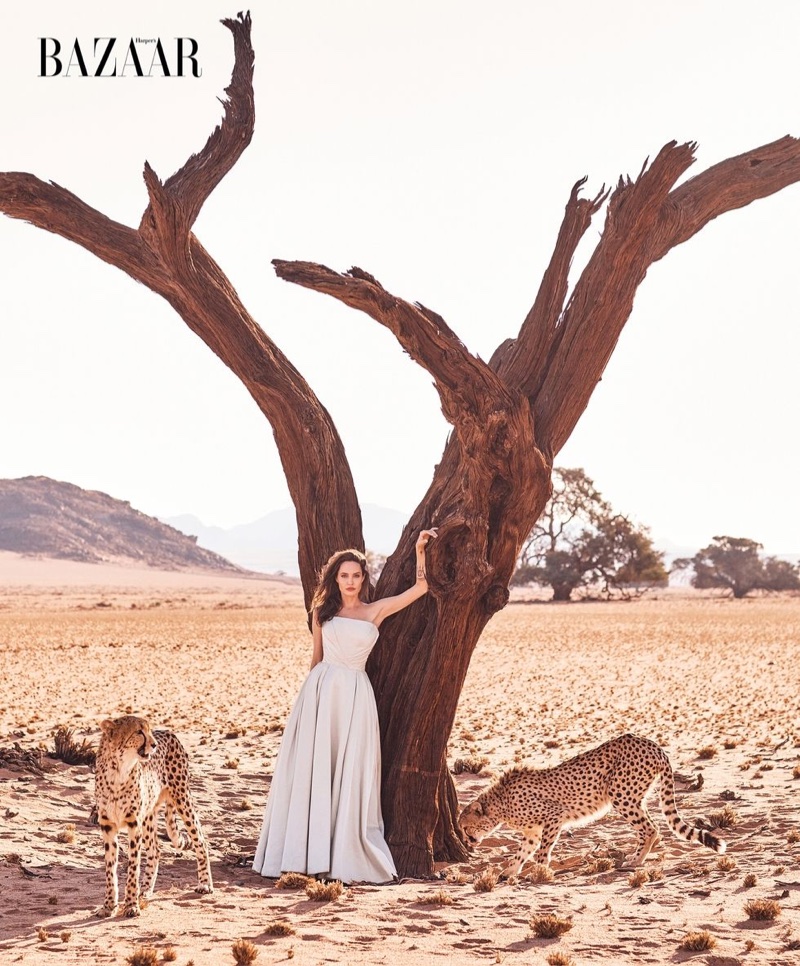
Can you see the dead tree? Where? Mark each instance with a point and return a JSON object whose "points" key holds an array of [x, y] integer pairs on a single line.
{"points": [[510, 416]]}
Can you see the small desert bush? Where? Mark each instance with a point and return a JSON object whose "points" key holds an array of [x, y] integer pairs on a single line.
{"points": [[560, 959], [695, 942], [538, 873], [485, 881], [66, 749], [293, 880], [169, 954], [324, 891], [280, 928], [552, 743], [763, 910], [749, 880], [726, 864], [244, 952], [455, 876], [793, 836], [65, 936], [439, 898], [42, 934], [726, 817], [730, 743], [231, 763], [600, 865], [707, 752], [143, 956], [474, 764], [796, 771], [245, 805], [66, 835], [550, 926], [638, 878]]}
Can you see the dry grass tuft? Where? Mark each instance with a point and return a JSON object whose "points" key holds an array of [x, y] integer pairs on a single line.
{"points": [[42, 934], [560, 959], [726, 864], [143, 956], [245, 805], [169, 954], [539, 873], [793, 836], [726, 817], [66, 749], [66, 835], [474, 764], [695, 942], [749, 880], [730, 743], [762, 910], [638, 878], [232, 763], [600, 865], [324, 891], [707, 752], [796, 771], [244, 952], [486, 881], [550, 926], [455, 876], [280, 928], [293, 880], [439, 898]]}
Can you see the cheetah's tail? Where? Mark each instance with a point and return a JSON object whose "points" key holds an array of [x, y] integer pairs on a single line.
{"points": [[680, 827]]}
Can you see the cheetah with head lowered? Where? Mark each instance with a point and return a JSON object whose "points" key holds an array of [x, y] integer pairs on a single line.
{"points": [[540, 802], [137, 771]]}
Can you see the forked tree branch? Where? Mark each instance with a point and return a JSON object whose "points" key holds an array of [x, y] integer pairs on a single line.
{"points": [[467, 387], [164, 255]]}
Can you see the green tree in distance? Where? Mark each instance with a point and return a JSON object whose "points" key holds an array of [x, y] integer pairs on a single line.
{"points": [[579, 540], [734, 563]]}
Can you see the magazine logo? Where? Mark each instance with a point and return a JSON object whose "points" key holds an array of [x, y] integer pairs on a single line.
{"points": [[115, 57]]}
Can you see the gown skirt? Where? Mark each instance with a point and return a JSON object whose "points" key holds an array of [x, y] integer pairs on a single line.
{"points": [[323, 814]]}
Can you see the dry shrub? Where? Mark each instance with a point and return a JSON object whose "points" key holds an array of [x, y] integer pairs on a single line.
{"points": [[244, 952], [550, 926], [66, 749], [439, 898], [455, 876], [280, 928], [726, 817], [293, 880], [749, 880], [552, 743], [730, 743], [560, 959], [600, 865], [539, 873], [66, 835], [245, 805], [42, 934], [762, 910], [232, 763], [638, 878], [796, 771], [169, 954], [726, 864], [707, 752], [695, 942], [793, 836], [65, 935], [143, 956], [474, 764], [485, 881], [324, 891]]}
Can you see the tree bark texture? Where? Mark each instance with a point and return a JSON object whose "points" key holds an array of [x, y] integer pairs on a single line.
{"points": [[510, 416]]}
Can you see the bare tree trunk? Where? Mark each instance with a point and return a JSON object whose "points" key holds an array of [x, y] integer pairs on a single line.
{"points": [[510, 417]]}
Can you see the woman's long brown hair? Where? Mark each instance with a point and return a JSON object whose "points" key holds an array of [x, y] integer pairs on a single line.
{"points": [[327, 600]]}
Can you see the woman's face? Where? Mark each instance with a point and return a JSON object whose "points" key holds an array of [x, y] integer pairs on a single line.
{"points": [[349, 578]]}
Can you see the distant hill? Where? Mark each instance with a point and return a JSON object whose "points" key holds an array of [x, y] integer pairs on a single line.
{"points": [[269, 544], [43, 516]]}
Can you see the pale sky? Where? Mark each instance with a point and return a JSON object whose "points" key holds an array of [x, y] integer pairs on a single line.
{"points": [[433, 144]]}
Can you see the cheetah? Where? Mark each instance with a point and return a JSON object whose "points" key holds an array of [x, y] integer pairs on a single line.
{"points": [[618, 773], [138, 771]]}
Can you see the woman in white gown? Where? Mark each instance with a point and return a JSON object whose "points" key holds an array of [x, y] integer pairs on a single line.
{"points": [[323, 814]]}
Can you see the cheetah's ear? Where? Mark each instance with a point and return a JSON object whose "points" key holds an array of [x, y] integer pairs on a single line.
{"points": [[106, 726], [478, 807]]}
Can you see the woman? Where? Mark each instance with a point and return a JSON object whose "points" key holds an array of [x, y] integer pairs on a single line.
{"points": [[323, 814]]}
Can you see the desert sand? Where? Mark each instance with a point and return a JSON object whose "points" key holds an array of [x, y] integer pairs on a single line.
{"points": [[219, 660]]}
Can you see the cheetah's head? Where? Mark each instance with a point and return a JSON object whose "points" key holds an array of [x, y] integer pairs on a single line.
{"points": [[129, 736], [475, 823]]}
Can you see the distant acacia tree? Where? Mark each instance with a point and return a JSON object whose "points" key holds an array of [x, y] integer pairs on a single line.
{"points": [[734, 563], [579, 540], [510, 416]]}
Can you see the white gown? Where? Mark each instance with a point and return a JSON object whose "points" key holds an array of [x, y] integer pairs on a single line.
{"points": [[323, 814]]}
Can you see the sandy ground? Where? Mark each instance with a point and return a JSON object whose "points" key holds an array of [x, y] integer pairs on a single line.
{"points": [[219, 660]]}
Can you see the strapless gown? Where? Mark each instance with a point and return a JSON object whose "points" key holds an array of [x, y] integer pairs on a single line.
{"points": [[323, 814]]}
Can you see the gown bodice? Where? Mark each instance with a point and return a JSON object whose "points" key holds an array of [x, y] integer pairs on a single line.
{"points": [[347, 641]]}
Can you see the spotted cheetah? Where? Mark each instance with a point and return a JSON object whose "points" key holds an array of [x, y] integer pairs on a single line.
{"points": [[618, 773], [138, 771]]}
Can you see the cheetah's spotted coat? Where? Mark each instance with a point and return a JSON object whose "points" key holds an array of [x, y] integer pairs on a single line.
{"points": [[138, 771], [617, 774]]}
